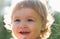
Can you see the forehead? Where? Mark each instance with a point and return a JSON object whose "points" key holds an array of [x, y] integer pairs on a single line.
{"points": [[26, 12]]}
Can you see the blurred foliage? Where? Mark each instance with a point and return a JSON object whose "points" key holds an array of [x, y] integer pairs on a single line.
{"points": [[4, 34], [56, 26]]}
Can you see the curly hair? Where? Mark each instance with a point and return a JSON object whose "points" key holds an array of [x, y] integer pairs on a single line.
{"points": [[39, 7]]}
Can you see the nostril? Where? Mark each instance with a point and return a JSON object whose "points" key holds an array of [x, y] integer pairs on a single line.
{"points": [[24, 27]]}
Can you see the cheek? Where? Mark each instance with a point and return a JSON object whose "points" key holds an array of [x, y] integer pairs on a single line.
{"points": [[14, 27], [35, 27], [15, 30], [35, 30]]}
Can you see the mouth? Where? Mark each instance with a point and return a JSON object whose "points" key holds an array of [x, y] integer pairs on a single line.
{"points": [[24, 32]]}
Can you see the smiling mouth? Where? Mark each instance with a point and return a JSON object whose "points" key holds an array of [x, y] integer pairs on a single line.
{"points": [[24, 33]]}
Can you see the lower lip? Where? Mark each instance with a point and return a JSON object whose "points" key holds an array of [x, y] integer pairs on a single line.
{"points": [[25, 33]]}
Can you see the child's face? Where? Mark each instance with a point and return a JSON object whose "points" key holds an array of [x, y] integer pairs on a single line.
{"points": [[26, 24]]}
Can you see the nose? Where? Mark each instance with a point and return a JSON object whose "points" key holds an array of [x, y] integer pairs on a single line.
{"points": [[23, 25]]}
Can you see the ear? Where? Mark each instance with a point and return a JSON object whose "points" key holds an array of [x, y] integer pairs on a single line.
{"points": [[42, 31], [43, 26]]}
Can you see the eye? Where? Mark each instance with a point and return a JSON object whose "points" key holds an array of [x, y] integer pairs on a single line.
{"points": [[17, 20], [30, 20]]}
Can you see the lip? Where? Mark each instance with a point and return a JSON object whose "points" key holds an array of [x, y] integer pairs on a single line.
{"points": [[24, 32]]}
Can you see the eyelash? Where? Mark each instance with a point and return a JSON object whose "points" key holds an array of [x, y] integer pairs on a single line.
{"points": [[29, 20], [17, 20]]}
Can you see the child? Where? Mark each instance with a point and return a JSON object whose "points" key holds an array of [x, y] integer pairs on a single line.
{"points": [[30, 20]]}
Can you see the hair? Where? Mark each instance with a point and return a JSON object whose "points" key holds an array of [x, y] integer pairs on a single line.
{"points": [[39, 7]]}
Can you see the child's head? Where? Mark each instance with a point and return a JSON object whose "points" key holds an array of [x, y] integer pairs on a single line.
{"points": [[29, 20]]}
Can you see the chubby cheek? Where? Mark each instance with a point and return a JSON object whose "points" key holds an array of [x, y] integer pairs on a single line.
{"points": [[15, 31], [14, 28], [35, 28]]}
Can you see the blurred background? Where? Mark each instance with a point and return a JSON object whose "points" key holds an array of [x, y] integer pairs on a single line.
{"points": [[54, 7]]}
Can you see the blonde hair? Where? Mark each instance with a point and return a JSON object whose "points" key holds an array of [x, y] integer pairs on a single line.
{"points": [[39, 7]]}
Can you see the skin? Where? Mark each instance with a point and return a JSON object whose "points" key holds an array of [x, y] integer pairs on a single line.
{"points": [[26, 20]]}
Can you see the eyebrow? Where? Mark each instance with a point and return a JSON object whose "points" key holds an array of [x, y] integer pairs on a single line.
{"points": [[31, 17], [26, 17], [16, 17]]}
